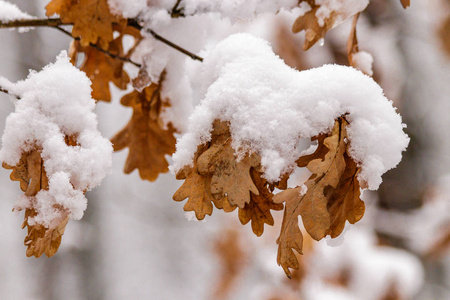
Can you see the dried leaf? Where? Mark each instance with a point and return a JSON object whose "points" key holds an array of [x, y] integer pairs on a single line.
{"points": [[258, 210], [444, 34], [31, 174], [229, 177], [311, 204], [145, 137], [352, 42], [92, 20], [197, 188], [405, 3], [41, 239], [344, 203], [313, 31], [102, 68], [230, 250]]}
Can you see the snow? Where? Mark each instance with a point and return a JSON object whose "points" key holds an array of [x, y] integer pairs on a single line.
{"points": [[10, 12], [372, 269], [55, 103], [270, 107], [127, 8], [363, 61], [342, 9]]}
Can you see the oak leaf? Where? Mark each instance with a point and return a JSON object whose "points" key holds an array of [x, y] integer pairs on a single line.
{"points": [[92, 20], [229, 177], [329, 186], [144, 135], [40, 239], [258, 209], [197, 188], [101, 68], [30, 172], [310, 24], [344, 203]]}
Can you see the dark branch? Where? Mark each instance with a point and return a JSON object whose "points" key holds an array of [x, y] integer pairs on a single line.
{"points": [[32, 23], [100, 49], [56, 23], [135, 24], [8, 92], [177, 12]]}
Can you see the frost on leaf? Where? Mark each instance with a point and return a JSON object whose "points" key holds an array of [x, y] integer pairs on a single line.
{"points": [[331, 198], [258, 209], [92, 20], [145, 136]]}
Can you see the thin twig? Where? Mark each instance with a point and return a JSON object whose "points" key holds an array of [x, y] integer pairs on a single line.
{"points": [[177, 12], [8, 92], [55, 23], [135, 24], [100, 49]]}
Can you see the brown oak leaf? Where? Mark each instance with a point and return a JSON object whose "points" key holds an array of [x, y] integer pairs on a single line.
{"points": [[229, 177], [197, 188], [102, 68], [344, 203], [405, 3], [40, 239], [32, 177], [311, 201], [92, 20], [258, 209], [147, 140], [310, 24]]}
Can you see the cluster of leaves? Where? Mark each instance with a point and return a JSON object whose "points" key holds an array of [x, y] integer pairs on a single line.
{"points": [[329, 198], [309, 23], [325, 202], [147, 138]]}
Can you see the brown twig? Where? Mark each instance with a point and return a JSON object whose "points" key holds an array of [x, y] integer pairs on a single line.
{"points": [[56, 22], [8, 92], [53, 22], [135, 24], [100, 49]]}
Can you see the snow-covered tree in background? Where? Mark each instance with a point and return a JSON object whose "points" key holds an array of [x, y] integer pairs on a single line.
{"points": [[237, 119]]}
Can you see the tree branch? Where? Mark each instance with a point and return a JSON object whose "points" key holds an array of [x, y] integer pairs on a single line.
{"points": [[8, 92], [32, 23], [135, 24], [56, 22], [100, 49]]}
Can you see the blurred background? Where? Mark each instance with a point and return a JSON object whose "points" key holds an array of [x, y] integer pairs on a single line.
{"points": [[135, 242]]}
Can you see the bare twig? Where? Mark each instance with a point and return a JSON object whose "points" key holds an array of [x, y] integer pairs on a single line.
{"points": [[177, 12], [135, 24], [100, 49], [8, 92], [53, 22], [56, 23]]}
